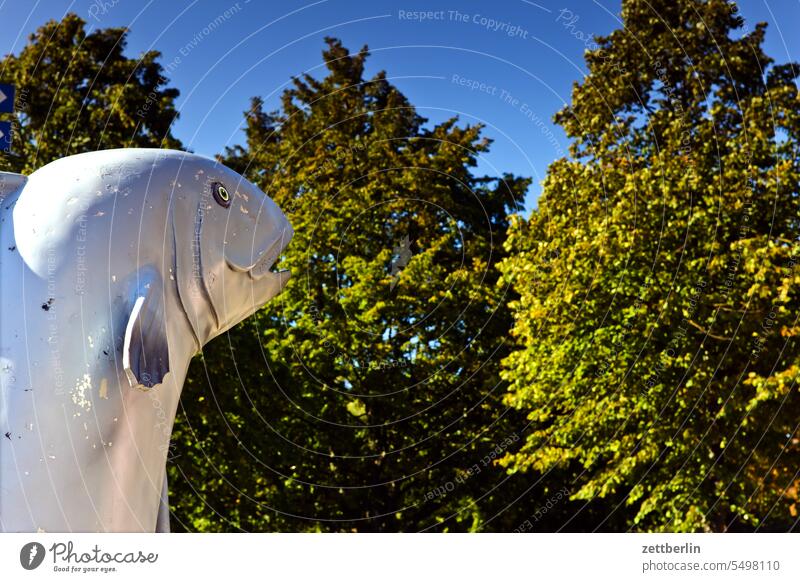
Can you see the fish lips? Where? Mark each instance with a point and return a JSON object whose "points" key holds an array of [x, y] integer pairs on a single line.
{"points": [[262, 266]]}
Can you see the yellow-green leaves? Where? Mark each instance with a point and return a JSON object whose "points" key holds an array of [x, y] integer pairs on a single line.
{"points": [[659, 346]]}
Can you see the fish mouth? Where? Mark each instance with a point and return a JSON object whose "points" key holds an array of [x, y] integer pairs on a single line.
{"points": [[265, 283], [265, 265]]}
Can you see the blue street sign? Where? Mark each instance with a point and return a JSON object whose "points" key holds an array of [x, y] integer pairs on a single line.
{"points": [[5, 136], [6, 98]]}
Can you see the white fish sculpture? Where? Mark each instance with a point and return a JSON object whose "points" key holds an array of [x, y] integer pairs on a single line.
{"points": [[116, 267]]}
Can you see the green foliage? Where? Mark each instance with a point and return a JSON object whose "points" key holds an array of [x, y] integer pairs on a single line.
{"points": [[373, 379], [656, 325], [78, 92]]}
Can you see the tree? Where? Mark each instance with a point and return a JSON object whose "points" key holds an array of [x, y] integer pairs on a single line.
{"points": [[656, 328], [367, 396], [78, 92]]}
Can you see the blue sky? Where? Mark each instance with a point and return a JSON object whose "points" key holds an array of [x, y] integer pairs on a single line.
{"points": [[509, 64]]}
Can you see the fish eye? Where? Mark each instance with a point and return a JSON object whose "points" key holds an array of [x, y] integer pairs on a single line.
{"points": [[221, 194]]}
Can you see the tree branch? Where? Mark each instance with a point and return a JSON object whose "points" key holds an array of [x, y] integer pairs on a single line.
{"points": [[708, 333]]}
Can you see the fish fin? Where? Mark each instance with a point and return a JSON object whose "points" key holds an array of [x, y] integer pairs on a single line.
{"points": [[145, 352], [10, 182]]}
